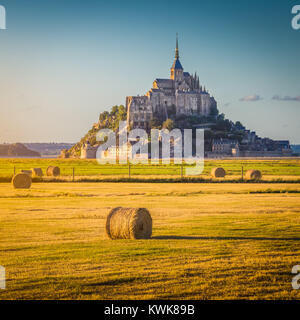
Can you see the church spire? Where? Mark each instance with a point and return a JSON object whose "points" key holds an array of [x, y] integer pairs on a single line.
{"points": [[176, 69], [177, 50]]}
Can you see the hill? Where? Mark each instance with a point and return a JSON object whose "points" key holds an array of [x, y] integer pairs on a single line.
{"points": [[17, 150], [219, 132], [216, 127], [48, 149], [108, 120]]}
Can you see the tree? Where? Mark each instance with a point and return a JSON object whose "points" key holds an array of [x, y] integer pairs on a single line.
{"points": [[221, 116], [155, 123], [103, 116], [214, 111], [239, 126], [114, 110], [194, 119], [223, 125], [168, 124], [122, 114]]}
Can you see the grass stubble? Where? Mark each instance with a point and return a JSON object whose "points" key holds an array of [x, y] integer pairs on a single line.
{"points": [[210, 241]]}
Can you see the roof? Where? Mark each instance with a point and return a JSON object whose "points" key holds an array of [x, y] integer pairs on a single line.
{"points": [[177, 64], [224, 141], [164, 83], [155, 90], [163, 80]]}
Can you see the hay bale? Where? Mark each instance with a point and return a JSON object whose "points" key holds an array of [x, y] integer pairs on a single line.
{"points": [[53, 171], [37, 172], [253, 175], [29, 172], [218, 173], [129, 223], [21, 181]]}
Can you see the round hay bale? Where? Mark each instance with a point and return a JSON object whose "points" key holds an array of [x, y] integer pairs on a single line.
{"points": [[129, 223], [253, 175], [37, 172], [53, 171], [218, 173], [21, 181], [29, 172]]}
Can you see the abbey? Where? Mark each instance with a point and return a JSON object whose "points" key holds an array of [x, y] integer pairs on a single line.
{"points": [[181, 94]]}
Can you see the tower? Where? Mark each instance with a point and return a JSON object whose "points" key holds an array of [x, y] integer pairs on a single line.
{"points": [[176, 69]]}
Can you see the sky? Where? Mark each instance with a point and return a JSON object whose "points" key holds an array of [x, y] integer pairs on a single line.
{"points": [[63, 62]]}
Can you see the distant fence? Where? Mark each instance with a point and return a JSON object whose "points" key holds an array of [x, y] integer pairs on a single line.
{"points": [[131, 170], [90, 170]]}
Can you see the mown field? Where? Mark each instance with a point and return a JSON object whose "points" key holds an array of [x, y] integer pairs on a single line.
{"points": [[272, 169], [210, 241]]}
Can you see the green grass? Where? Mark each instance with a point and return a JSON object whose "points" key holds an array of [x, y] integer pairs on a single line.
{"points": [[279, 170], [210, 241]]}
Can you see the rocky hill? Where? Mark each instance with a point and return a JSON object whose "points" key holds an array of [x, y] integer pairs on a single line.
{"points": [[221, 135], [215, 125], [108, 120]]}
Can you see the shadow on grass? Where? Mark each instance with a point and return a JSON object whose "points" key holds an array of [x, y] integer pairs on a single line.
{"points": [[222, 238]]}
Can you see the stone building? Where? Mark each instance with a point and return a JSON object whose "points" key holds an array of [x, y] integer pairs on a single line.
{"points": [[88, 151], [181, 94], [225, 146], [124, 152]]}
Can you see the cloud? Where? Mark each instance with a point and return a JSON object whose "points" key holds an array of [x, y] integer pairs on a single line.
{"points": [[227, 104], [285, 98], [252, 98]]}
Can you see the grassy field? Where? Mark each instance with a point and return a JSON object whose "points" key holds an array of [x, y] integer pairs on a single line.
{"points": [[272, 169], [210, 241]]}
